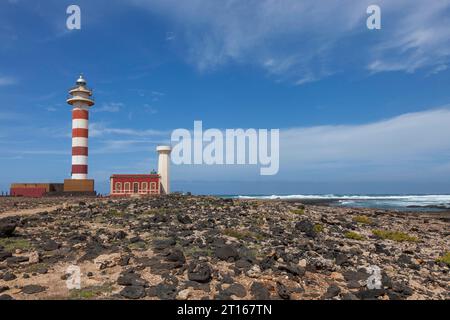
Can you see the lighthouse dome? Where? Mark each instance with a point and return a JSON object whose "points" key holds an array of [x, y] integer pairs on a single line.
{"points": [[81, 81]]}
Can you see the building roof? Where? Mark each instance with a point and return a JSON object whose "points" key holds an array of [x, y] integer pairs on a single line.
{"points": [[135, 176]]}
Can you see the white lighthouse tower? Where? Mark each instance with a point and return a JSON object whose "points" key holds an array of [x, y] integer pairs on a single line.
{"points": [[164, 168], [81, 100]]}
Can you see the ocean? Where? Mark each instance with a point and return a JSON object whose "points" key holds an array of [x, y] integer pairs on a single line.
{"points": [[429, 203]]}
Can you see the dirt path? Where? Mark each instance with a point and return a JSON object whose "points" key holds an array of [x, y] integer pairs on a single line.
{"points": [[28, 212]]}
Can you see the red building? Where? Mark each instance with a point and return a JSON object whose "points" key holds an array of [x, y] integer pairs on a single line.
{"points": [[134, 184], [35, 190]]}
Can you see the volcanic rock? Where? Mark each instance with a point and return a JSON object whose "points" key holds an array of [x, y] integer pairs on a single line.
{"points": [[7, 229], [199, 272], [32, 289], [133, 292]]}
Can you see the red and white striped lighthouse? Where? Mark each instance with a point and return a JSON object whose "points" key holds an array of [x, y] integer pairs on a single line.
{"points": [[81, 100]]}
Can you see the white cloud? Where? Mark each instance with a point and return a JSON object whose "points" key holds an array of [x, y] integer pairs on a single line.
{"points": [[301, 41], [409, 146], [99, 129], [150, 109], [7, 81], [404, 138], [109, 107]]}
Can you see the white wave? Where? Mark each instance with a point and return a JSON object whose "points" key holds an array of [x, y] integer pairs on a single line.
{"points": [[443, 198], [369, 200]]}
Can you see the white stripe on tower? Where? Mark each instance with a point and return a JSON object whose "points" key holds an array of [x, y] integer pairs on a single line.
{"points": [[80, 123]]}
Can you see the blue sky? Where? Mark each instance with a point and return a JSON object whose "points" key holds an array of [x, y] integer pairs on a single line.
{"points": [[360, 111]]}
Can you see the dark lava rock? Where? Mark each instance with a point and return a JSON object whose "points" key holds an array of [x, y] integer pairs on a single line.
{"points": [[349, 296], [163, 291], [184, 219], [135, 239], [7, 229], [307, 227], [133, 292], [199, 272], [283, 292], [158, 218], [267, 263], [366, 294], [162, 244], [120, 235], [404, 259], [124, 261], [259, 291], [293, 269], [226, 252], [381, 248], [177, 258], [9, 276], [42, 270], [341, 259], [50, 245], [197, 286], [16, 260], [332, 291], [359, 275], [32, 289], [130, 279], [400, 291], [236, 289], [243, 264], [4, 255], [6, 297]]}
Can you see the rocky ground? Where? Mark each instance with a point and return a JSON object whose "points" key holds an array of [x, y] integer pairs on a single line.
{"points": [[11, 204], [186, 247]]}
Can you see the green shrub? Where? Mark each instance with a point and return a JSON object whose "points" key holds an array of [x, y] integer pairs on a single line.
{"points": [[298, 211], [444, 259], [90, 292], [115, 213], [363, 220], [318, 228], [394, 235], [12, 244], [354, 235]]}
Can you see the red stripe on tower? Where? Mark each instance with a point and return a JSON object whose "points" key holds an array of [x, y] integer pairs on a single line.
{"points": [[80, 114], [80, 133], [79, 169], [80, 151]]}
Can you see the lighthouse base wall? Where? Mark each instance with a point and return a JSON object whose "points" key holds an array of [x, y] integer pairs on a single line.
{"points": [[79, 186]]}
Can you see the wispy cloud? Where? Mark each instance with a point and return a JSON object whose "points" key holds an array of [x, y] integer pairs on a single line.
{"points": [[150, 109], [109, 107], [7, 81], [100, 129], [120, 146], [300, 41]]}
